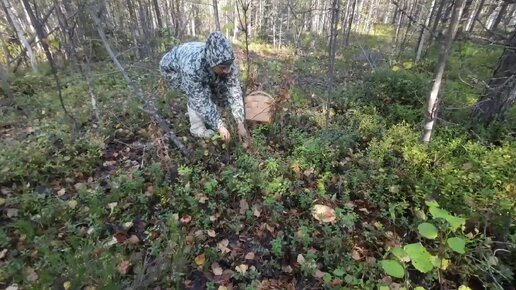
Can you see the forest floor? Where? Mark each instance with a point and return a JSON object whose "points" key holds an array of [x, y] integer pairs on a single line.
{"points": [[111, 205]]}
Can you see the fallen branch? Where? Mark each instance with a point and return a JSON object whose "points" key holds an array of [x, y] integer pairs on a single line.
{"points": [[148, 104]]}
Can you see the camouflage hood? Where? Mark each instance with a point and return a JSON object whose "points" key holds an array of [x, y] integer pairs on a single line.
{"points": [[218, 49]]}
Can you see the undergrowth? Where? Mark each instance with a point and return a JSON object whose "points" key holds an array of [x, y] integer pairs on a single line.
{"points": [[113, 206]]}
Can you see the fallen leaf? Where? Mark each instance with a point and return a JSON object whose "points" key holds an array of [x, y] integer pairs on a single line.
{"points": [[124, 267], [72, 203], [319, 274], [256, 211], [287, 269], [2, 201], [467, 166], [133, 240], [67, 158], [3, 253], [12, 287], [61, 192], [185, 219], [31, 275], [223, 246], [364, 210], [199, 260], [241, 268], [356, 255], [222, 288], [211, 233], [249, 256], [112, 206], [217, 270], [323, 213], [67, 285], [201, 198], [301, 259], [12, 212], [127, 225], [243, 206]]}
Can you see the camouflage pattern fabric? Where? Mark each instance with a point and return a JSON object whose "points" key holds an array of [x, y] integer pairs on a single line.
{"points": [[188, 68]]}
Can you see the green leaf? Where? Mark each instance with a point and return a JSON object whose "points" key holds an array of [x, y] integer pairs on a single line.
{"points": [[339, 272], [455, 222], [384, 288], [420, 257], [228, 26], [327, 277], [431, 203], [400, 254], [427, 230], [393, 268], [227, 8], [439, 213], [457, 244], [419, 288]]}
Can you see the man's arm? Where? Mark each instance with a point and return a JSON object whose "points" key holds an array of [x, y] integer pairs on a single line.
{"points": [[235, 99]]}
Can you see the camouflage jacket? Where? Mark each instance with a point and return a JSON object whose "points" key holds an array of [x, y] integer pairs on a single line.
{"points": [[187, 68]]}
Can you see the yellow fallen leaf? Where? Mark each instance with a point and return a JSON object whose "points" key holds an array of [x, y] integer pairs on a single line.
{"points": [[223, 246], [61, 192], [323, 213], [133, 240], [241, 268], [199, 260], [2, 201], [67, 285], [222, 288]]}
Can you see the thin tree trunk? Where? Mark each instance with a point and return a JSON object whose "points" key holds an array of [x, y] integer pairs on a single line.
{"points": [[433, 98], [216, 14], [345, 18], [43, 36], [331, 53], [158, 14], [473, 15], [424, 33], [500, 93], [8, 9], [72, 51], [149, 106], [437, 20], [350, 23], [498, 19]]}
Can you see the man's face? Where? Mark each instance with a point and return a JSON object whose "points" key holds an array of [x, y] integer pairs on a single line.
{"points": [[222, 69]]}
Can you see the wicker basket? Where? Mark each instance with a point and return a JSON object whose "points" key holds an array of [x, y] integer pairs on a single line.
{"points": [[259, 107]]}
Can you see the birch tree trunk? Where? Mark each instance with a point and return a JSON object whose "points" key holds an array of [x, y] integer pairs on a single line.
{"points": [[350, 23], [500, 93], [331, 52], [13, 21], [498, 19], [424, 32], [158, 14], [433, 98], [474, 15]]}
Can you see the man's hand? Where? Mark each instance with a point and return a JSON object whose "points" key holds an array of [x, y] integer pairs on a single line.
{"points": [[224, 133], [242, 132]]}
